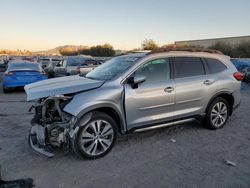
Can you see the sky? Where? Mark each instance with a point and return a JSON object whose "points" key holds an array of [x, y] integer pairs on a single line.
{"points": [[45, 24]]}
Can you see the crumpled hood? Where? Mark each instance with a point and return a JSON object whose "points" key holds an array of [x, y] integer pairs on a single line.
{"points": [[60, 86]]}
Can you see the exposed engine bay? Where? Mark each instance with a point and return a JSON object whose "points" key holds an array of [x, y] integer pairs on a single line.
{"points": [[51, 126]]}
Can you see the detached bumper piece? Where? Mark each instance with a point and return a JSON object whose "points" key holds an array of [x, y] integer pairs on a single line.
{"points": [[37, 142], [22, 183]]}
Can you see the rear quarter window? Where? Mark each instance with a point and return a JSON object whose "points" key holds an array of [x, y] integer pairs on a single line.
{"points": [[215, 66]]}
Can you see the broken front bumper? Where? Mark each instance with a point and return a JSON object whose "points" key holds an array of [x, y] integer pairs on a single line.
{"points": [[41, 143], [37, 141]]}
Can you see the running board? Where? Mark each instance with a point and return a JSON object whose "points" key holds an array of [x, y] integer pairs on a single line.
{"points": [[164, 125]]}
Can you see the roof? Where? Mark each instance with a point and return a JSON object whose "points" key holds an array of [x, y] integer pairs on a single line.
{"points": [[133, 55], [161, 50]]}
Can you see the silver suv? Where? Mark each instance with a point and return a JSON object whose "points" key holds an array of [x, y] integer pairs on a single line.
{"points": [[132, 93]]}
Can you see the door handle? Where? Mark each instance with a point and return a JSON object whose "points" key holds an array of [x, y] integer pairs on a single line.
{"points": [[208, 82], [169, 89]]}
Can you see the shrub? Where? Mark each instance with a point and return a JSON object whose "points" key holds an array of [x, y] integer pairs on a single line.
{"points": [[105, 50], [68, 51], [149, 44]]}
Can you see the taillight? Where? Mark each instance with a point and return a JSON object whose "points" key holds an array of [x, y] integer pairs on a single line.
{"points": [[8, 73], [238, 76]]}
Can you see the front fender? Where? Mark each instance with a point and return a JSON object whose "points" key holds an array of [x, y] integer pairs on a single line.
{"points": [[91, 100]]}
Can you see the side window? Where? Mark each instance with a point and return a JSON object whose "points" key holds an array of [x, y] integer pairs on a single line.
{"points": [[155, 70], [215, 66], [188, 67]]}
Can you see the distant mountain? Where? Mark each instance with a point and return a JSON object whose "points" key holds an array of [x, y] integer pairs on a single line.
{"points": [[56, 51]]}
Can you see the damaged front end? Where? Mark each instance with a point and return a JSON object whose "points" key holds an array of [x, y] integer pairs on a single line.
{"points": [[51, 126]]}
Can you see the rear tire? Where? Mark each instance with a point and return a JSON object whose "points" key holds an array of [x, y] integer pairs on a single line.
{"points": [[96, 138], [5, 90], [50, 75], [217, 114]]}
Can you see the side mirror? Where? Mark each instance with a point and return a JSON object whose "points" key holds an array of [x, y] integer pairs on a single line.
{"points": [[139, 79], [134, 81]]}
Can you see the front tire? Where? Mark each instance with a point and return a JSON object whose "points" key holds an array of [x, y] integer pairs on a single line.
{"points": [[217, 114], [97, 137], [5, 90]]}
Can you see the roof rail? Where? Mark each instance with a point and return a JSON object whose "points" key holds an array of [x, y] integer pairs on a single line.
{"points": [[161, 50]]}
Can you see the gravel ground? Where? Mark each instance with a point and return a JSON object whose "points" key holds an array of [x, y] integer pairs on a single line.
{"points": [[196, 159]]}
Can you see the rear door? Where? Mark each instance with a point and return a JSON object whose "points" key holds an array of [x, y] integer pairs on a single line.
{"points": [[153, 101], [191, 87]]}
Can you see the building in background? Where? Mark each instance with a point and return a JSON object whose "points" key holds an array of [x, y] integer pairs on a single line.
{"points": [[209, 42]]}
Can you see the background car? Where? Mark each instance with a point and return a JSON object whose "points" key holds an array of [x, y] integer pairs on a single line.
{"points": [[243, 65], [3, 65], [73, 65], [45, 61], [49, 69], [19, 74]]}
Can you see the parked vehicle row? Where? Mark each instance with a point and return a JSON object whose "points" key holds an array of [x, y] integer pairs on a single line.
{"points": [[72, 65], [16, 71], [132, 93]]}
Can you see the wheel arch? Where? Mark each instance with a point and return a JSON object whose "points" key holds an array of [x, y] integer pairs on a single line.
{"points": [[108, 109], [225, 95]]}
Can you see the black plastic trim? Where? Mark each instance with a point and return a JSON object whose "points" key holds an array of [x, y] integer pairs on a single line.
{"points": [[164, 122]]}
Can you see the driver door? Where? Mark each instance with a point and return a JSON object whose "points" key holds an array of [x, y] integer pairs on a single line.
{"points": [[152, 102]]}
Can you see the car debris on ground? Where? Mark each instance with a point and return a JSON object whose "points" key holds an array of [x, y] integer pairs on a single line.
{"points": [[172, 140], [230, 163], [20, 183]]}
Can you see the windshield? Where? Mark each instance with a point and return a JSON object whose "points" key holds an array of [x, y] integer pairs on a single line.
{"points": [[112, 68]]}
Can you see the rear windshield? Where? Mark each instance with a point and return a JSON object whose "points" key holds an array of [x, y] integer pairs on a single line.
{"points": [[24, 66]]}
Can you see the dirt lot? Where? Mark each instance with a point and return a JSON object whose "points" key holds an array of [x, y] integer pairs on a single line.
{"points": [[149, 159]]}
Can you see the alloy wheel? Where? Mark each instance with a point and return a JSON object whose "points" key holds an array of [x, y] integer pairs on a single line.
{"points": [[97, 137], [219, 114]]}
